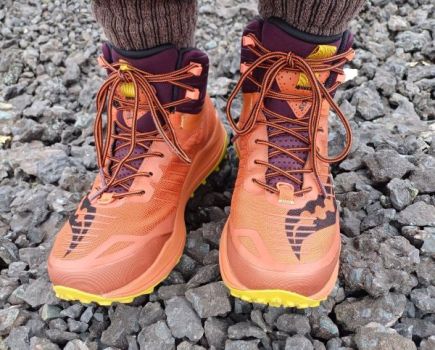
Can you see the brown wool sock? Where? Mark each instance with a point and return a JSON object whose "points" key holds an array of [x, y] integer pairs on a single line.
{"points": [[319, 17], [144, 24]]}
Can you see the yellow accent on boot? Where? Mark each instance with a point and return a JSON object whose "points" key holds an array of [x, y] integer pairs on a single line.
{"points": [[321, 51], [276, 298], [66, 293], [128, 90]]}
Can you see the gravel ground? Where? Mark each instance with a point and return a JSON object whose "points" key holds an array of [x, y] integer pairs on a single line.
{"points": [[385, 297]]}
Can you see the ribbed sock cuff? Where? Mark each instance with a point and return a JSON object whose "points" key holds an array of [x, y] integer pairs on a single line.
{"points": [[143, 24], [319, 17]]}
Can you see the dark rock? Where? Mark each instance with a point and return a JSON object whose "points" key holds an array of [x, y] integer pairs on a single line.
{"points": [[428, 237], [411, 41], [182, 320], [74, 311], [402, 193], [36, 110], [156, 337], [368, 103], [39, 292], [242, 345], [58, 324], [318, 345], [298, 342], [397, 24], [377, 218], [132, 343], [420, 328], [18, 338], [76, 344], [8, 252], [424, 299], [87, 314], [71, 75], [210, 300], [386, 310], [75, 180], [293, 324], [187, 266], [42, 344], [350, 223], [241, 306], [272, 314], [426, 272], [46, 164], [245, 330], [34, 257], [257, 318], [9, 318], [375, 336], [13, 74], [124, 322], [212, 231], [325, 328], [168, 292], [385, 81], [150, 314], [212, 258], [423, 179], [428, 344], [26, 130], [216, 332], [379, 265], [386, 165], [185, 345], [60, 337], [204, 275], [49, 312], [418, 214], [77, 326]]}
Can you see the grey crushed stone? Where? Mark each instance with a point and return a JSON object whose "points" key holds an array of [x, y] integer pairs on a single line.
{"points": [[386, 187]]}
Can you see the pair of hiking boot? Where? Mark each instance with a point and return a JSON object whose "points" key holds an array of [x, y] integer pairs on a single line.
{"points": [[281, 243]]}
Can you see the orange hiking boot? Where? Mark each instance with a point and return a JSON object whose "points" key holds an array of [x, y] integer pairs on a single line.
{"points": [[162, 139], [281, 243]]}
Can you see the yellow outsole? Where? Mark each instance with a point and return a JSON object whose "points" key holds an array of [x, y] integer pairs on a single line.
{"points": [[70, 294], [276, 298]]}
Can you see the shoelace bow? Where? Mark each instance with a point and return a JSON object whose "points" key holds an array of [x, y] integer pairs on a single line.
{"points": [[273, 63], [123, 73]]}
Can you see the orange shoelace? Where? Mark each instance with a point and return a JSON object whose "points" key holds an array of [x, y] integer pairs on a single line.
{"points": [[273, 63], [135, 82]]}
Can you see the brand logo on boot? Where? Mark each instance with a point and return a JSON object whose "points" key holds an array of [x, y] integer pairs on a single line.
{"points": [[315, 216], [80, 223]]}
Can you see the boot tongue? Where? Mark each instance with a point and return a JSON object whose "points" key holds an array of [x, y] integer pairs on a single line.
{"points": [[159, 60], [278, 36], [145, 123]]}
